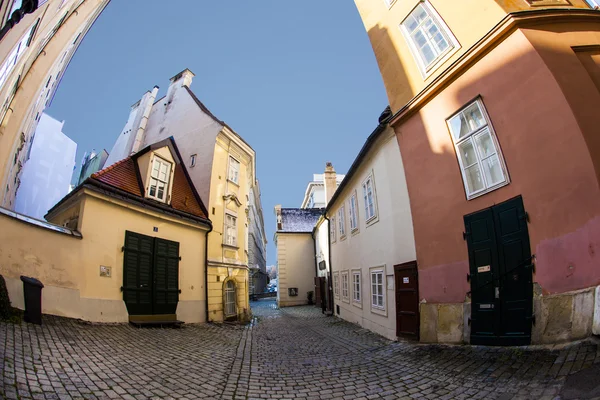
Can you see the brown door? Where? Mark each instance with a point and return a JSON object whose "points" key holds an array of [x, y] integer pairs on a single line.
{"points": [[317, 291], [407, 300]]}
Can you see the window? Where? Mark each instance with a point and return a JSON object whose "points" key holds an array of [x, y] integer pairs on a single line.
{"points": [[336, 284], [345, 286], [478, 153], [311, 200], [13, 57], [234, 170], [389, 3], [230, 230], [353, 213], [369, 197], [356, 287], [193, 160], [429, 38], [377, 294], [16, 4], [342, 222], [230, 299], [332, 229], [595, 4], [159, 179]]}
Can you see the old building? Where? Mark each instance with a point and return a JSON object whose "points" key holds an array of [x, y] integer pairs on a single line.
{"points": [[495, 111], [257, 243], [371, 243], [36, 48], [221, 165], [315, 195], [129, 244], [48, 168], [295, 254]]}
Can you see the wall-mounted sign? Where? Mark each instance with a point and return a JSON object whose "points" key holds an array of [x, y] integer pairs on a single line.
{"points": [[322, 265], [485, 268], [105, 271], [293, 291], [405, 279]]}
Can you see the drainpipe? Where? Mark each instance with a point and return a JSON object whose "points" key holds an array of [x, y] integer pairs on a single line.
{"points": [[206, 269]]}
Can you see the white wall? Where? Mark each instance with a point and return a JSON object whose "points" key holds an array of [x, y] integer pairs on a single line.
{"points": [[296, 267], [384, 242], [46, 176]]}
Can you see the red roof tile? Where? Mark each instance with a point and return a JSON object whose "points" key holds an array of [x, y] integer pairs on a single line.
{"points": [[122, 175]]}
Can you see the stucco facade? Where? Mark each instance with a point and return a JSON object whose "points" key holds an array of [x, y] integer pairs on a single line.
{"points": [[41, 46], [535, 75], [208, 147]]}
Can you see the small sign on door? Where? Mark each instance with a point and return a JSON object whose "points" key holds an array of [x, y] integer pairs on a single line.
{"points": [[405, 279], [485, 268]]}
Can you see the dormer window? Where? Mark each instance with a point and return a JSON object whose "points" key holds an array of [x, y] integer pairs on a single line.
{"points": [[159, 179]]}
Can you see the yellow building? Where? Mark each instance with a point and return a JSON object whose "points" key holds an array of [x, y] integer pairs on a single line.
{"points": [[35, 52], [129, 244], [221, 165]]}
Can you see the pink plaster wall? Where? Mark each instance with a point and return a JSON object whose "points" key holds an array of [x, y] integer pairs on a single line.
{"points": [[547, 160]]}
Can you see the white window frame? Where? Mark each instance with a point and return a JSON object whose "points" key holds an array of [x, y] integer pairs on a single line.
{"points": [[376, 294], [356, 288], [369, 181], [342, 222], [471, 137], [230, 230], [345, 287], [389, 3], [594, 4], [336, 285], [15, 55], [353, 208], [233, 173], [453, 45], [332, 229], [193, 158], [166, 182]]}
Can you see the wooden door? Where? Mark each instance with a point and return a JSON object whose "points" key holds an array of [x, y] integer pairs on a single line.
{"points": [[166, 276], [500, 274], [318, 289], [407, 300]]}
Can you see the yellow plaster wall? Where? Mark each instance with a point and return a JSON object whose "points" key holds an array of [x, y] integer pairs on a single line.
{"points": [[216, 279], [469, 20], [296, 267]]}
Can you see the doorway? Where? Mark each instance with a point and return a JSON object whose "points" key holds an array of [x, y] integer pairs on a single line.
{"points": [[501, 275], [150, 275], [230, 300], [407, 300]]}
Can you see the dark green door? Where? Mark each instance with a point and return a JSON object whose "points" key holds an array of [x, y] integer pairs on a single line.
{"points": [[501, 275], [150, 275]]}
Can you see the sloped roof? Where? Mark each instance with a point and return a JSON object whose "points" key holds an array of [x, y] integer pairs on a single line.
{"points": [[299, 219], [123, 179]]}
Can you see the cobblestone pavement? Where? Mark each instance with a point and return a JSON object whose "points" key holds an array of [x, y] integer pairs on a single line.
{"points": [[289, 353]]}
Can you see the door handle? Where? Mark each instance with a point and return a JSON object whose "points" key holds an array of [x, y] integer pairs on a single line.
{"points": [[143, 286], [497, 292]]}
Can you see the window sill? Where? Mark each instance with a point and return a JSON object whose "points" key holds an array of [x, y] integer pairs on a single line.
{"points": [[379, 311], [347, 301], [357, 304], [233, 182], [342, 238], [355, 231], [484, 192], [374, 219], [229, 246]]}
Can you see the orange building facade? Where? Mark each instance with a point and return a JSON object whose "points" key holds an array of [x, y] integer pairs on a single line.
{"points": [[496, 114]]}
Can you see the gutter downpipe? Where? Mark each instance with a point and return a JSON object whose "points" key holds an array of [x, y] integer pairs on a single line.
{"points": [[206, 269]]}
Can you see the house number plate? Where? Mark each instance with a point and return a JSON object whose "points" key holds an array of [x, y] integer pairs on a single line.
{"points": [[485, 268]]}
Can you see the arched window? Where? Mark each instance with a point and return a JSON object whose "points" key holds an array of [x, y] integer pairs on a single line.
{"points": [[230, 299]]}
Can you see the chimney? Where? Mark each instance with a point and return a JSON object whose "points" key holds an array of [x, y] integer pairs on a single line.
{"points": [[278, 216], [184, 78], [330, 182]]}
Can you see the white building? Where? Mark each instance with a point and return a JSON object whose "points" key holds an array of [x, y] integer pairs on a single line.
{"points": [[315, 196], [46, 174]]}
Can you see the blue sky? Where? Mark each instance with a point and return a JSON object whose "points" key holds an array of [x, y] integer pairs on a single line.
{"points": [[296, 79]]}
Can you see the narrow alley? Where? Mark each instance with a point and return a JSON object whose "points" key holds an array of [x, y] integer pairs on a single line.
{"points": [[285, 353]]}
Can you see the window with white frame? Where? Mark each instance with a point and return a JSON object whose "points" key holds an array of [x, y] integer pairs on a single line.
{"points": [[193, 160], [15, 55], [230, 230], [16, 4], [389, 2], [234, 170], [336, 284], [353, 213], [377, 289], [429, 38], [159, 179], [332, 229], [595, 4], [369, 197], [479, 157], [356, 286], [345, 286], [342, 222]]}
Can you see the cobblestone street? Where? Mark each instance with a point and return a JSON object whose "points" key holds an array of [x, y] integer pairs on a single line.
{"points": [[290, 353]]}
